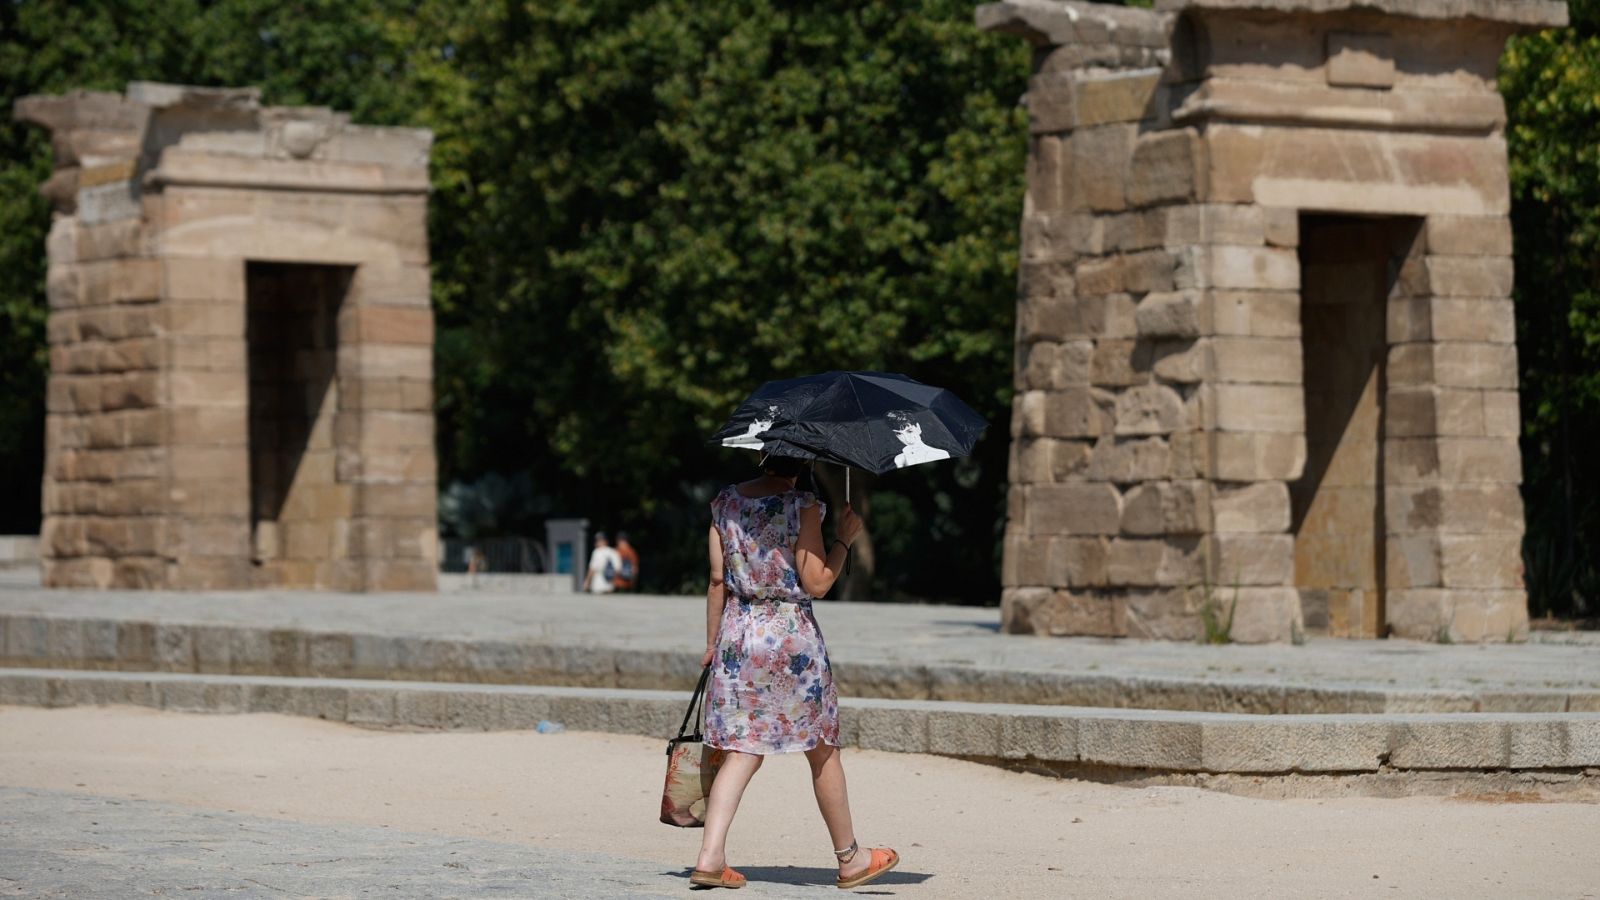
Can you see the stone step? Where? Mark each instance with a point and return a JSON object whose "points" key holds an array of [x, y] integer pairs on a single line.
{"points": [[38, 640], [1143, 741]]}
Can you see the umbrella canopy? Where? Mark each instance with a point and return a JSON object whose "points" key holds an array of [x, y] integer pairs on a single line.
{"points": [[878, 421]]}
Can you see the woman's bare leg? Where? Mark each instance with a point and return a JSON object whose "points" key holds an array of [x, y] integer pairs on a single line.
{"points": [[833, 800], [726, 792]]}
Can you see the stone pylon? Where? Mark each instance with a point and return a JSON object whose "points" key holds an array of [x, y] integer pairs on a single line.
{"points": [[241, 341], [1266, 372]]}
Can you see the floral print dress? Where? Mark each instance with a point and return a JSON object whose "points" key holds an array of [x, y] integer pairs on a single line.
{"points": [[771, 687]]}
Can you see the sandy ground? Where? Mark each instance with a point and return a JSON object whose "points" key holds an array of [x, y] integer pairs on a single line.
{"points": [[964, 830]]}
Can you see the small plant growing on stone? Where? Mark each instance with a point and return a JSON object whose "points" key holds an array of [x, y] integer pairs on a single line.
{"points": [[1297, 635], [1218, 630], [1442, 636]]}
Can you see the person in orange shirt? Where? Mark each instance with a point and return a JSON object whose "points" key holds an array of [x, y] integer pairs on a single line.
{"points": [[628, 572]]}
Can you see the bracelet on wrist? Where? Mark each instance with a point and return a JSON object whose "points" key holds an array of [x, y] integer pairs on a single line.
{"points": [[840, 542]]}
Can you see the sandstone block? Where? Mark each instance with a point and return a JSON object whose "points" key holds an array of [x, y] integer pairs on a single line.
{"points": [[1167, 507], [386, 361], [1070, 413], [1024, 561], [203, 280], [1451, 460], [1257, 360], [1358, 171], [1120, 363], [1256, 408], [1017, 606], [1282, 226], [1100, 275], [391, 285], [396, 500], [1260, 507], [1110, 316], [1127, 460], [1059, 365], [1170, 315], [1045, 279], [1183, 362], [1165, 167], [1074, 508], [1468, 236], [1147, 271], [1502, 414], [386, 325], [1411, 561], [1255, 313], [1155, 614], [1454, 509], [1470, 276], [1050, 103], [1481, 562], [1264, 614], [1246, 456], [1072, 613], [1049, 319], [1116, 97], [1027, 414], [1239, 268], [1217, 223], [1140, 229], [1047, 175], [1076, 562], [1155, 562], [1453, 364], [1149, 409], [1100, 157], [1252, 559]]}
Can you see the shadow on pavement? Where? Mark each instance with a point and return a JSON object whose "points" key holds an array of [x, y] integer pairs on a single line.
{"points": [[810, 875]]}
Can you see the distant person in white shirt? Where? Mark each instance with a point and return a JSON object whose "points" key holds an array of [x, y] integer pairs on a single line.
{"points": [[604, 564]]}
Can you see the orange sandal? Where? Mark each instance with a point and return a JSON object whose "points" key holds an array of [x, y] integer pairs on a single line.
{"points": [[883, 859], [727, 878]]}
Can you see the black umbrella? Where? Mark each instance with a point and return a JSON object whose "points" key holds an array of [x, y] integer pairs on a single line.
{"points": [[878, 421]]}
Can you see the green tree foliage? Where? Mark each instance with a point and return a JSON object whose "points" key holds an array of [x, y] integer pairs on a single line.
{"points": [[1551, 82], [664, 204]]}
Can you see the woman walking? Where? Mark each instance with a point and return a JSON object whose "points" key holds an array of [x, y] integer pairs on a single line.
{"points": [[771, 686]]}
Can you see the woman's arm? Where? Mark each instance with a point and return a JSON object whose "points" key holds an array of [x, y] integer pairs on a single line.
{"points": [[716, 597], [818, 567]]}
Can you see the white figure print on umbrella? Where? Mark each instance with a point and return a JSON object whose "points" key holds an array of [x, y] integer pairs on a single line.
{"points": [[749, 439], [909, 433]]}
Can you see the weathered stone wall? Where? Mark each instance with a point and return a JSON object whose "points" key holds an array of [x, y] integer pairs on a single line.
{"points": [[164, 196], [1161, 409]]}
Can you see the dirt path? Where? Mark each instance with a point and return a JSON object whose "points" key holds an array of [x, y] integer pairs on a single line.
{"points": [[964, 830]]}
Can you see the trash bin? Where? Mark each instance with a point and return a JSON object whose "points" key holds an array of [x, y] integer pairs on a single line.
{"points": [[567, 539]]}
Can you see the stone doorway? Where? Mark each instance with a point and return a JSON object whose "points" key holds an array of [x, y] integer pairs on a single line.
{"points": [[298, 507], [1352, 268]]}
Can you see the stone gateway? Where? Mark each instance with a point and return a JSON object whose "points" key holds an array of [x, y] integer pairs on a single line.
{"points": [[1266, 366], [241, 345]]}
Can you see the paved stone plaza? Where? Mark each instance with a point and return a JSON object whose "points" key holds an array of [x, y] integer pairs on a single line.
{"points": [[120, 802]]}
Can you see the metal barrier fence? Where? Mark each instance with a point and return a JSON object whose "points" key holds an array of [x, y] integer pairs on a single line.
{"points": [[501, 554]]}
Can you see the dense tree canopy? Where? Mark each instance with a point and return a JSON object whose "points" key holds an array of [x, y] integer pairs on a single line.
{"points": [[1552, 86]]}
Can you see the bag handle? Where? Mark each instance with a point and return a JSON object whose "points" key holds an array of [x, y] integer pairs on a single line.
{"points": [[694, 703]]}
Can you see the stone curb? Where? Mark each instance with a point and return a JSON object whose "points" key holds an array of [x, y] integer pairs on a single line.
{"points": [[1142, 740], [35, 641]]}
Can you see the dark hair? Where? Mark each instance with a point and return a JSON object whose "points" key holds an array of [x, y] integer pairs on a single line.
{"points": [[783, 466]]}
